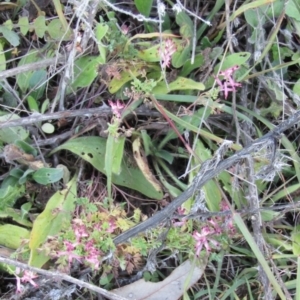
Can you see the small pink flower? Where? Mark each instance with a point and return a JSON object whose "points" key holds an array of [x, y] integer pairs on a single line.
{"points": [[166, 53], [124, 29], [70, 247], [203, 239], [116, 108], [112, 226], [79, 230], [228, 84], [181, 211], [28, 276]]}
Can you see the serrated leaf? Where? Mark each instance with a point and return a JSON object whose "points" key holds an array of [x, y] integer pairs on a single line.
{"points": [[11, 134], [48, 175], [10, 36], [92, 149]]}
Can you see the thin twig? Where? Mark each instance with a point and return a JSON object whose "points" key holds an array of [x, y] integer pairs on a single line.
{"points": [[31, 67], [62, 276], [204, 175]]}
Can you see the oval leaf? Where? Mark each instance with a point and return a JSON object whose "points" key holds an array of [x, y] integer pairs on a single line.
{"points": [[48, 175]]}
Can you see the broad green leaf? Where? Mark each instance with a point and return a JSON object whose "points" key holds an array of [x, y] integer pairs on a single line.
{"points": [[236, 59], [40, 26], [12, 236], [188, 67], [86, 70], [16, 216], [2, 57], [180, 57], [144, 6], [10, 36], [23, 78], [57, 31], [186, 25], [57, 214], [10, 194], [180, 83], [92, 149], [11, 134], [32, 103], [292, 9], [24, 25], [48, 175], [37, 83]]}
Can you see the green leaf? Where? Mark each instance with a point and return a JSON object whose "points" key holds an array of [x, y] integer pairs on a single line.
{"points": [[12, 236], [32, 103], [11, 134], [57, 32], [2, 57], [56, 215], [180, 57], [48, 175], [37, 83], [24, 25], [144, 6], [86, 70], [181, 83], [92, 149], [188, 67], [40, 26], [23, 78], [186, 25], [292, 9], [10, 36], [236, 59], [100, 31], [16, 216], [48, 128], [10, 194], [296, 87]]}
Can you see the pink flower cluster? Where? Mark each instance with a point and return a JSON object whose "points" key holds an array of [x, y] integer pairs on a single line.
{"points": [[228, 84], [166, 53], [116, 107], [28, 276], [92, 255], [205, 239]]}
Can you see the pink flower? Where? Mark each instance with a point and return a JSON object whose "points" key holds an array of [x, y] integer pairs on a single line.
{"points": [[93, 255], [70, 247], [228, 84], [112, 226], [116, 107], [181, 211], [28, 276], [203, 239], [166, 53], [79, 230]]}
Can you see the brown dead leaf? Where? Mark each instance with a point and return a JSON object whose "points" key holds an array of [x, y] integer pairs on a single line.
{"points": [[172, 288]]}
